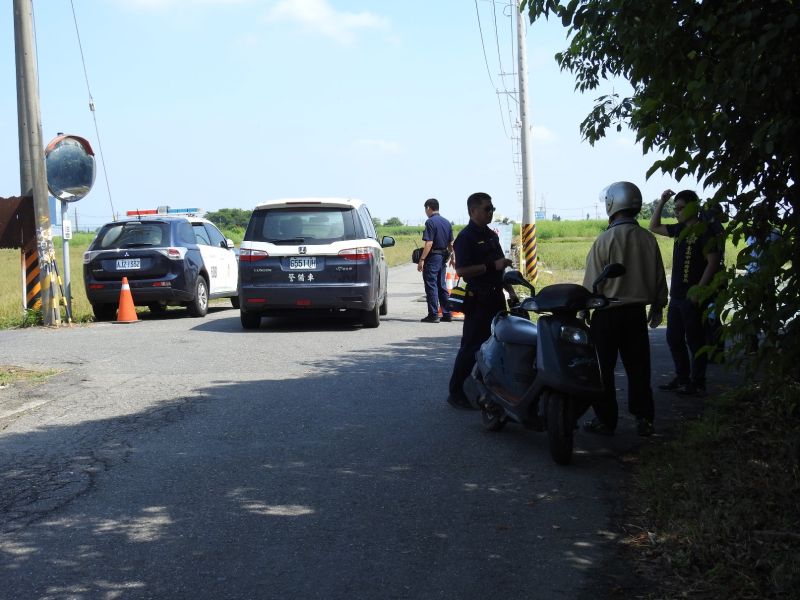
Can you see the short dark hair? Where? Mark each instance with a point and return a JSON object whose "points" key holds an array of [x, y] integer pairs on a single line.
{"points": [[432, 203], [476, 199], [687, 196]]}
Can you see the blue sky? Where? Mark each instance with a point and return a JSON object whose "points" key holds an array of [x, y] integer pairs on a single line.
{"points": [[226, 103]]}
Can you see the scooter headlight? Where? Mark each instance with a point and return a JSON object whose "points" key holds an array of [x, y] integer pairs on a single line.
{"points": [[575, 335]]}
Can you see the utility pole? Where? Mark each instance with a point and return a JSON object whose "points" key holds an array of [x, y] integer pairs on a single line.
{"points": [[33, 176], [529, 250]]}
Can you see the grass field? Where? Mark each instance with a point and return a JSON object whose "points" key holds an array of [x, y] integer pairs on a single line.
{"points": [[562, 249]]}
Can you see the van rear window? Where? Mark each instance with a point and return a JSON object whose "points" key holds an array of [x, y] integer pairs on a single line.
{"points": [[302, 225]]}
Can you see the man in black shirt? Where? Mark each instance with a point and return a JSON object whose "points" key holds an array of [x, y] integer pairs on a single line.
{"points": [[480, 262], [695, 259]]}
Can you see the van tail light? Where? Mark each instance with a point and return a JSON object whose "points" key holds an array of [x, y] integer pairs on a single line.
{"points": [[363, 253], [249, 255]]}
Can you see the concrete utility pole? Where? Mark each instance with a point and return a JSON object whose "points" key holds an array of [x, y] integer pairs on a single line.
{"points": [[529, 250], [33, 176]]}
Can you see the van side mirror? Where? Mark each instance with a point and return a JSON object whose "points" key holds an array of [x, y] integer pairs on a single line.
{"points": [[387, 241]]}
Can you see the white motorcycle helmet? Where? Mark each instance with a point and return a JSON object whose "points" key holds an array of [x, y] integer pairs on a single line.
{"points": [[622, 195]]}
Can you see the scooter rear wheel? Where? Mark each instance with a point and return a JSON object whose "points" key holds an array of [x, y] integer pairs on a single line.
{"points": [[559, 427], [493, 421]]}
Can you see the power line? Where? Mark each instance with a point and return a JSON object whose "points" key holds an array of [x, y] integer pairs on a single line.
{"points": [[488, 70], [483, 45], [92, 109]]}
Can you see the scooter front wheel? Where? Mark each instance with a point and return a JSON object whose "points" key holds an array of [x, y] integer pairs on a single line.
{"points": [[559, 427], [493, 421]]}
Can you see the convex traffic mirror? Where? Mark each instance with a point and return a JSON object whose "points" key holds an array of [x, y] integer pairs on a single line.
{"points": [[69, 161]]}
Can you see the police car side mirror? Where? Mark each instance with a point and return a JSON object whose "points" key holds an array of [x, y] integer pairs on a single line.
{"points": [[387, 241], [228, 244]]}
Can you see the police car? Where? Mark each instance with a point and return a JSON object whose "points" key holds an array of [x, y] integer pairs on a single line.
{"points": [[170, 257], [310, 254]]}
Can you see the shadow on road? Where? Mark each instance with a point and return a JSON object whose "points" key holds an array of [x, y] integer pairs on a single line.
{"points": [[328, 485]]}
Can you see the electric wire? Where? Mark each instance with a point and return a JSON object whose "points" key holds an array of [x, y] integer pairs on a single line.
{"points": [[503, 73], [488, 70], [92, 110]]}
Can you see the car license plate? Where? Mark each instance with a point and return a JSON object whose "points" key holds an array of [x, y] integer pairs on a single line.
{"points": [[303, 263], [129, 263]]}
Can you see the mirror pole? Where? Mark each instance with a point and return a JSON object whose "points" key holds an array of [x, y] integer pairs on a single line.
{"points": [[66, 234]]}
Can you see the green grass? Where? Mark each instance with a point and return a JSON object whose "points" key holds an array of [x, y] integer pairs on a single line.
{"points": [[720, 502], [10, 375], [11, 311]]}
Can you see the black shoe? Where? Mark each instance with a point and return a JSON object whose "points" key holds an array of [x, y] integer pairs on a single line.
{"points": [[459, 402], [446, 318], [693, 390], [673, 385], [644, 427], [429, 319], [598, 427]]}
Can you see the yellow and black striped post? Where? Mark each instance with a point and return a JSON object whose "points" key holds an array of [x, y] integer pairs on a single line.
{"points": [[33, 285], [529, 252]]}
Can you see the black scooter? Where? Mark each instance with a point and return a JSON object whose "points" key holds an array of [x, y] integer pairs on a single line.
{"points": [[544, 375]]}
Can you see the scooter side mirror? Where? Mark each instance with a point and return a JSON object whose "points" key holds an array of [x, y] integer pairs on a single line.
{"points": [[516, 278], [610, 272]]}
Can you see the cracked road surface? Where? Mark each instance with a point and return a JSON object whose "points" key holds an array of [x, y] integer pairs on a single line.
{"points": [[188, 458]]}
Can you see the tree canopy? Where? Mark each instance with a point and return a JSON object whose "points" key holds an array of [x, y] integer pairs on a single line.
{"points": [[715, 90], [230, 218]]}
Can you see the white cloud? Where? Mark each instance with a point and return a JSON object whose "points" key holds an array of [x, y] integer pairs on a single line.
{"points": [[320, 17], [384, 146], [625, 142], [166, 4], [542, 135]]}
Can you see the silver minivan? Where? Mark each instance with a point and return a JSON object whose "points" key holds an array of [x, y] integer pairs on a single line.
{"points": [[312, 254]]}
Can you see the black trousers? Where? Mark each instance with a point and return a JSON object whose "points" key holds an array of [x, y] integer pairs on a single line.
{"points": [[686, 334], [622, 331], [477, 329]]}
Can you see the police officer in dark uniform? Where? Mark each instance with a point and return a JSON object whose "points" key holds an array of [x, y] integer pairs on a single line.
{"points": [[480, 262], [438, 238]]}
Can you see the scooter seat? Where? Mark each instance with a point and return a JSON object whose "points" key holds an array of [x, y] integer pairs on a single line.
{"points": [[508, 329]]}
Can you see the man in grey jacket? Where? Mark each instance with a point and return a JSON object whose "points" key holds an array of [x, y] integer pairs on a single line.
{"points": [[621, 328]]}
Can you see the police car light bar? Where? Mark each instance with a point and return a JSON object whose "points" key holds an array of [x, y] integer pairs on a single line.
{"points": [[166, 210], [184, 211]]}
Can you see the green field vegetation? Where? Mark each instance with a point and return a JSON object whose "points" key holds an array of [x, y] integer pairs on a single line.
{"points": [[562, 248], [10, 375]]}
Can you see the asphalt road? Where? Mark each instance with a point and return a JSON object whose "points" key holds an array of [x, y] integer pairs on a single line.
{"points": [[188, 458]]}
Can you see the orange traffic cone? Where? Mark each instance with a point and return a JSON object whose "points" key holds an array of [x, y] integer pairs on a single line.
{"points": [[450, 278], [126, 312]]}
